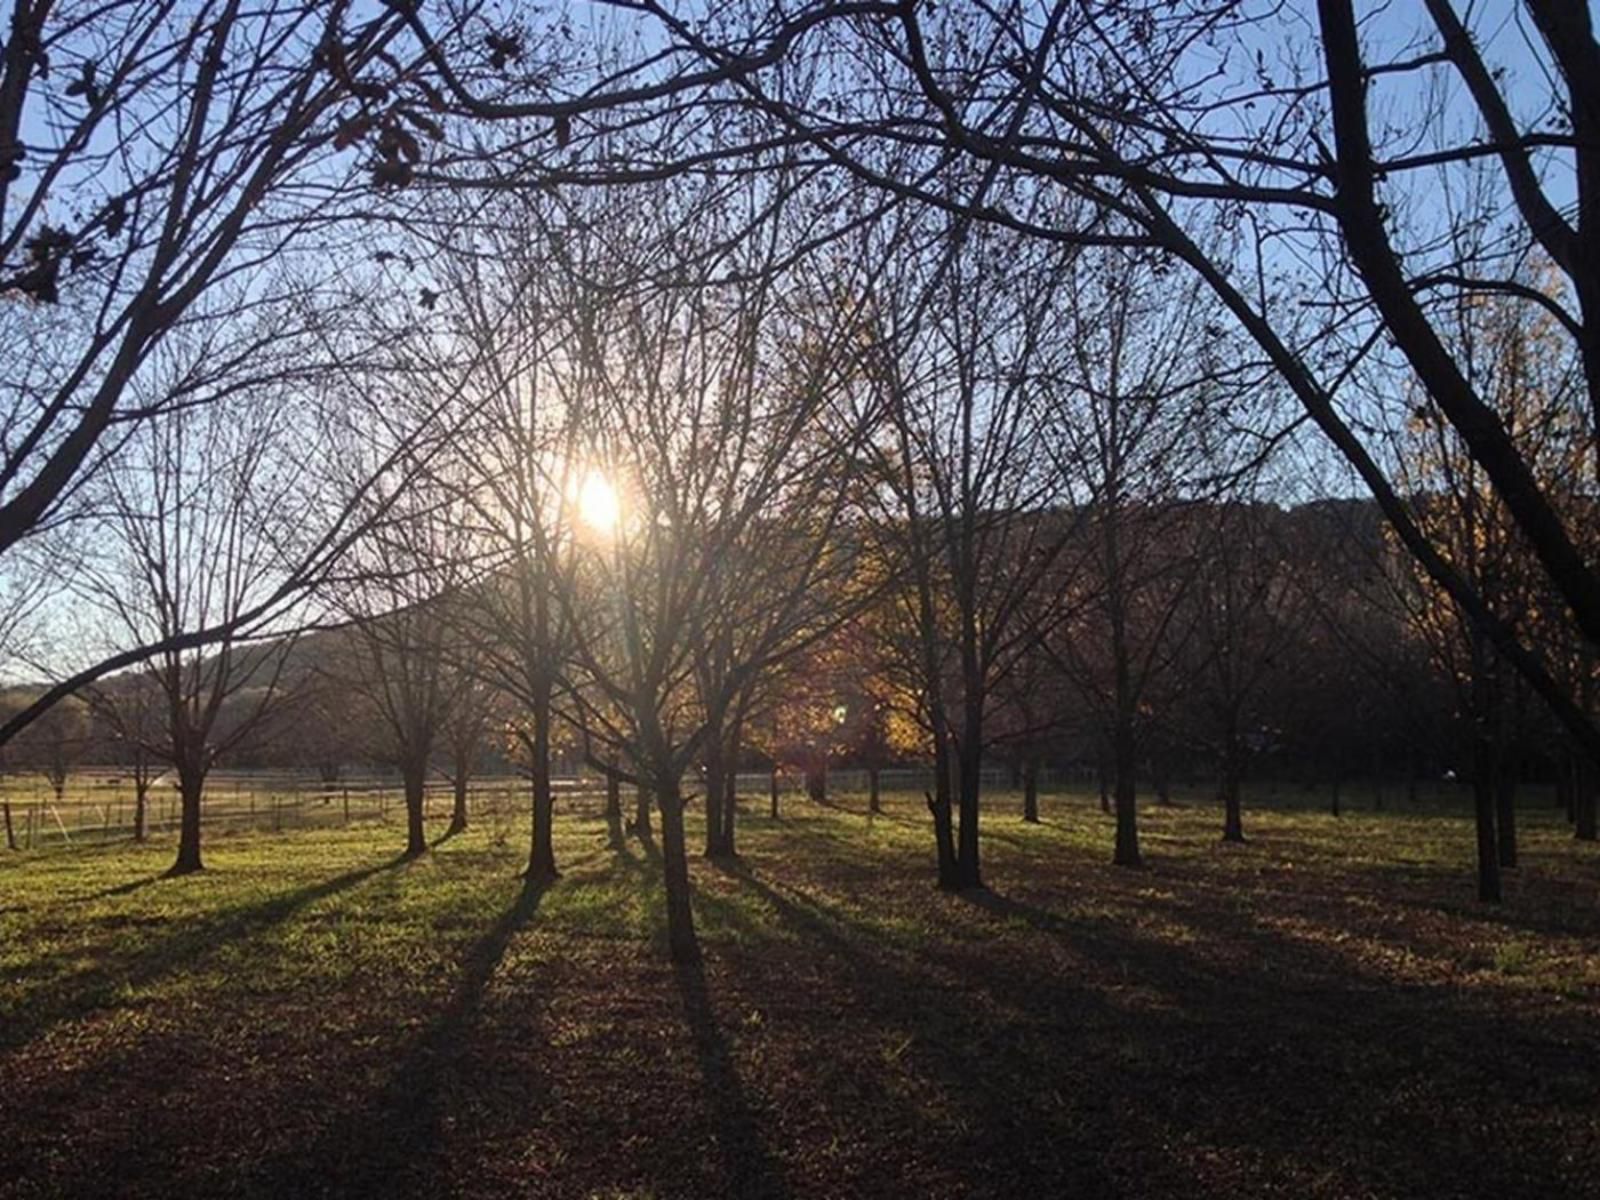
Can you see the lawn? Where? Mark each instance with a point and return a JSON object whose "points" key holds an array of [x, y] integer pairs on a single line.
{"points": [[1324, 1011]]}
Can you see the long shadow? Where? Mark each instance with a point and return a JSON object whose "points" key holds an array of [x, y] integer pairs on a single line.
{"points": [[986, 1075], [79, 993], [748, 1166], [122, 889], [397, 1145], [1208, 1039]]}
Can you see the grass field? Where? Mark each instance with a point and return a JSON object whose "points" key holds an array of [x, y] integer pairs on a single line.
{"points": [[1322, 1012]]}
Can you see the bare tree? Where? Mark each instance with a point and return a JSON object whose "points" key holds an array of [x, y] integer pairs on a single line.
{"points": [[200, 511]]}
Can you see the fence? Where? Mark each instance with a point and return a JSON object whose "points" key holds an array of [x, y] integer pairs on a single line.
{"points": [[101, 807]]}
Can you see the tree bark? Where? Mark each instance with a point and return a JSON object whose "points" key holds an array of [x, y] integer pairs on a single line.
{"points": [[715, 792], [1030, 791], [1232, 775], [939, 804], [414, 776], [817, 784], [1161, 769], [772, 781], [1125, 764], [641, 814], [675, 870], [1585, 808], [614, 809], [730, 793], [191, 784], [874, 800], [541, 843], [11, 833], [969, 758], [458, 807], [1505, 796], [141, 811], [1483, 806]]}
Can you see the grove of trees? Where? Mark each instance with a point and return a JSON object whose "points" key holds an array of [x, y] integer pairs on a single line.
{"points": [[1157, 390]]}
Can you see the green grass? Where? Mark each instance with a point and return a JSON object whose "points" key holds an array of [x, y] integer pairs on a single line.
{"points": [[1325, 1011]]}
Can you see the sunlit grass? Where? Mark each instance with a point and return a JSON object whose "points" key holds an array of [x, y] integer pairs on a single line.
{"points": [[344, 1005]]}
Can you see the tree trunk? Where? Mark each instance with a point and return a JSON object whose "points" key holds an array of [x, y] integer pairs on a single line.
{"points": [[715, 787], [730, 792], [641, 814], [817, 784], [1125, 764], [675, 870], [415, 778], [541, 843], [458, 807], [772, 781], [11, 833], [1030, 791], [191, 784], [874, 800], [141, 811], [1232, 773], [969, 757], [1483, 806], [1161, 769], [939, 804], [1103, 773], [614, 809], [1584, 801], [542, 851], [1505, 797], [1485, 766], [1333, 802]]}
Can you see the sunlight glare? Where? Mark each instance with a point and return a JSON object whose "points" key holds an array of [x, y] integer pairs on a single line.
{"points": [[597, 502]]}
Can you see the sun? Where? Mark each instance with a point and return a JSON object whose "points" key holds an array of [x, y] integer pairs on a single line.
{"points": [[597, 502]]}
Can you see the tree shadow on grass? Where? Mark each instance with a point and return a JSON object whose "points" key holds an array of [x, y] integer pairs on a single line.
{"points": [[1121, 1056], [79, 993], [398, 1145], [748, 1166]]}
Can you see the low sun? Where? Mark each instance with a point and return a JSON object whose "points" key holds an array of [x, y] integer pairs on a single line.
{"points": [[597, 502]]}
